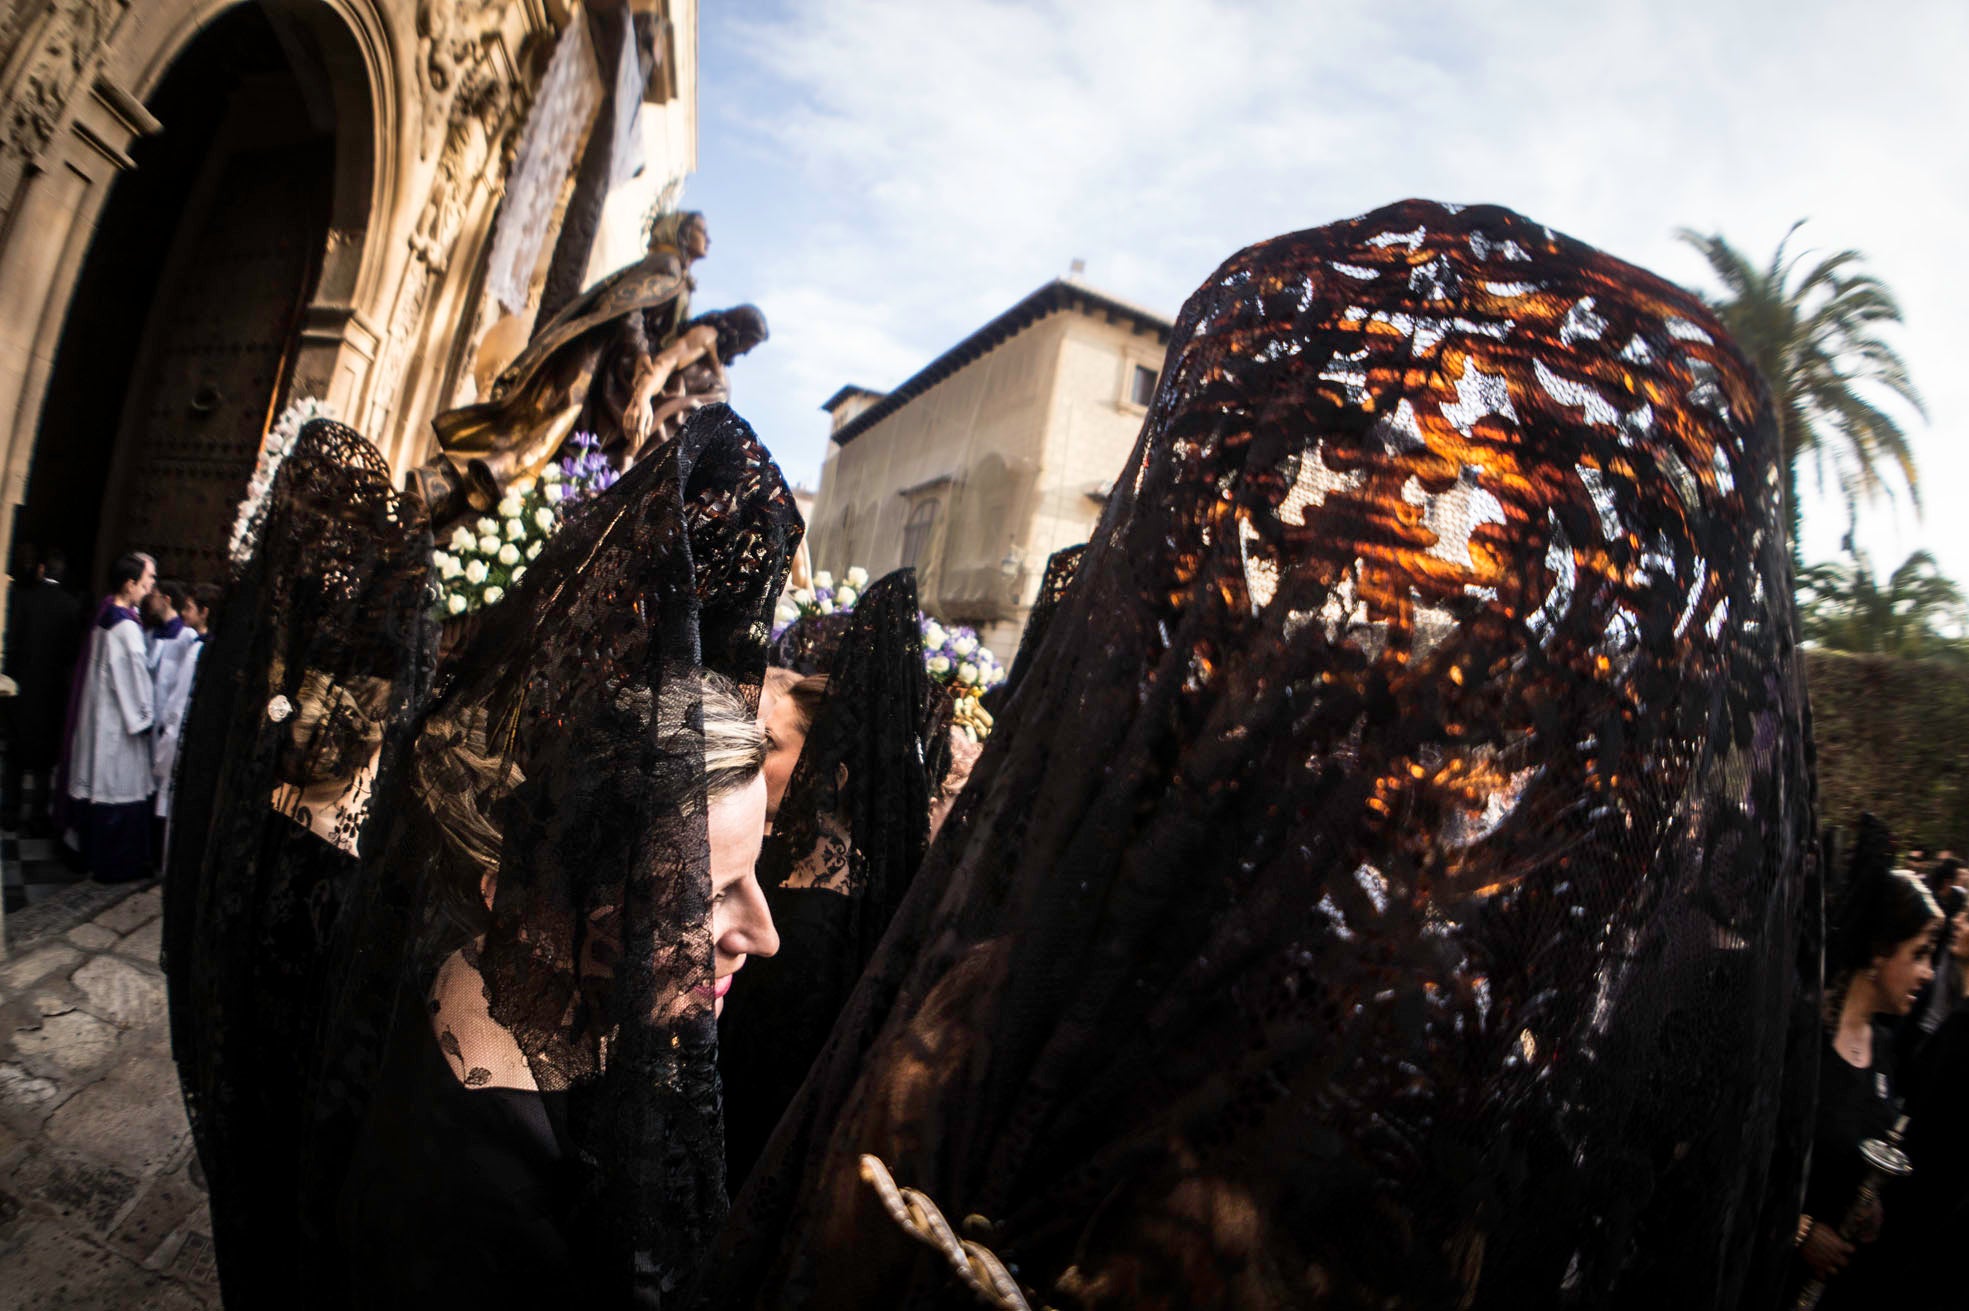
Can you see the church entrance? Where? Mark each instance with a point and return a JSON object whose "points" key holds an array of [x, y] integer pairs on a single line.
{"points": [[183, 325]]}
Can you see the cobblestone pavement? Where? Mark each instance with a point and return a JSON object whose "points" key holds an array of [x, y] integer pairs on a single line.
{"points": [[101, 1201]]}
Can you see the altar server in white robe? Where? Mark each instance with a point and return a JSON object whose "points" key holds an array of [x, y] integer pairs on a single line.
{"points": [[109, 768]]}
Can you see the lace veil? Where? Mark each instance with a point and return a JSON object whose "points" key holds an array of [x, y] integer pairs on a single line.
{"points": [[848, 839], [807, 645], [1060, 567], [548, 817], [1393, 882], [321, 653]]}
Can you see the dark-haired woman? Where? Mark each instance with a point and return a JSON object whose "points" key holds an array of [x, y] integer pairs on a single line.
{"points": [[1915, 1033], [788, 703], [1931, 1206], [1883, 958]]}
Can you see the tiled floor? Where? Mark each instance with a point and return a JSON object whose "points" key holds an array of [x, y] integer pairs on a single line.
{"points": [[32, 868]]}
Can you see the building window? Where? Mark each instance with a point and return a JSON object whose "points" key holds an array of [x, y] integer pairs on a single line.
{"points": [[1141, 385], [916, 532]]}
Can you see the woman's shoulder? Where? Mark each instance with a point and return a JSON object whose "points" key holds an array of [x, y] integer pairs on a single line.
{"points": [[482, 1052]]}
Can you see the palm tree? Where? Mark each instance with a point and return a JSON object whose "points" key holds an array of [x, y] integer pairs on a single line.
{"points": [[1816, 339], [1844, 608]]}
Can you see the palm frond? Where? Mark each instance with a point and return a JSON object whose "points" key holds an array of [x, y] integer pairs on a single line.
{"points": [[1812, 324]]}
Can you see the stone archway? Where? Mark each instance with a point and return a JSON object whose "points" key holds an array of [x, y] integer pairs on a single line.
{"points": [[188, 316]]}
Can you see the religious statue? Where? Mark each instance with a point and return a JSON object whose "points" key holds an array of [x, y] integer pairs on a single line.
{"points": [[688, 374], [597, 366]]}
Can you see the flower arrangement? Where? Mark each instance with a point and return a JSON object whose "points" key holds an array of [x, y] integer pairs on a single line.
{"points": [[956, 658], [953, 656], [482, 561], [825, 597], [279, 441]]}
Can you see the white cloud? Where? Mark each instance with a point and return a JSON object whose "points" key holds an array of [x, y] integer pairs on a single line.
{"points": [[899, 172]]}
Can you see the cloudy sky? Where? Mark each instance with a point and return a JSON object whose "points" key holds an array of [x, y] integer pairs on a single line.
{"points": [[882, 176]]}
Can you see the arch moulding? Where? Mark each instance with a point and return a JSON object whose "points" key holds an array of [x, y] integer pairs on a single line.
{"points": [[86, 69]]}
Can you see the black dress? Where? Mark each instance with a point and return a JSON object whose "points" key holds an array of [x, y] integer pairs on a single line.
{"points": [[459, 1196], [1854, 1105], [320, 656], [1919, 1248]]}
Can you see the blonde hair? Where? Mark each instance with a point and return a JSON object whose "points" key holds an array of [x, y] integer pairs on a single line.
{"points": [[462, 777], [734, 744]]}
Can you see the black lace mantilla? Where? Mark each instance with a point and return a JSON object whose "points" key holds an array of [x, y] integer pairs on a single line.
{"points": [[321, 652], [1060, 568], [807, 645], [1392, 882], [847, 841], [548, 817]]}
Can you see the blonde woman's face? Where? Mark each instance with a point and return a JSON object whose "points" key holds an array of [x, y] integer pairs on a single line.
{"points": [[741, 924]]}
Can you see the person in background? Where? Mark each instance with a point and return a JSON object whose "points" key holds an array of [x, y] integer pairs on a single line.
{"points": [[1913, 1038], [787, 706], [197, 613], [42, 635], [164, 629], [155, 611], [1942, 873], [199, 607], [109, 778], [171, 641], [1931, 1206], [1879, 956]]}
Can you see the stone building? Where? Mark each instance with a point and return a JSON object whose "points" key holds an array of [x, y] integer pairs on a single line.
{"points": [[209, 208], [999, 452]]}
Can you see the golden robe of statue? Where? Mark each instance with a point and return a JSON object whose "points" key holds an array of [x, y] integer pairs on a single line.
{"points": [[589, 368]]}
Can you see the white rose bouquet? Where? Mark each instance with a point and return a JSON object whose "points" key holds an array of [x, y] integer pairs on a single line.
{"points": [[481, 562]]}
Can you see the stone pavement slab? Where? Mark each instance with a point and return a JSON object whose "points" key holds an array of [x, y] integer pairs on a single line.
{"points": [[135, 1122], [125, 994], [68, 1042], [101, 1201], [38, 964], [145, 943], [131, 913], [92, 937]]}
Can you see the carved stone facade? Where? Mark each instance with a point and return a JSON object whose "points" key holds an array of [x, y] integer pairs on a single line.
{"points": [[418, 110]]}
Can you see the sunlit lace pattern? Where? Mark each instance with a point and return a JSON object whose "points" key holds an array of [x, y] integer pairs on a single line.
{"points": [[1391, 883]]}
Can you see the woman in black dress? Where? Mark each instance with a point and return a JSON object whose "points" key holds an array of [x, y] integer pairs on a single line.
{"points": [[1921, 1251], [322, 654], [466, 1181], [520, 1100], [846, 842]]}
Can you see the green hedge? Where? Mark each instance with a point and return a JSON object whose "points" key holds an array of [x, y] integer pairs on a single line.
{"points": [[1893, 738]]}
